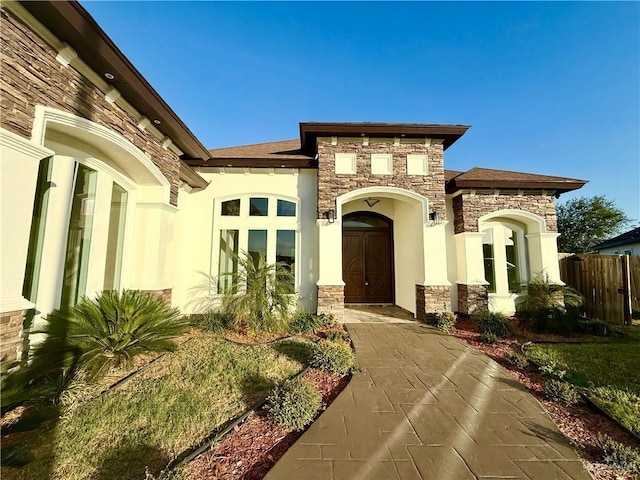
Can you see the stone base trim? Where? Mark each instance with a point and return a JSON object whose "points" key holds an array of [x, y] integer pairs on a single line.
{"points": [[472, 299], [11, 341], [331, 300], [432, 299], [162, 294]]}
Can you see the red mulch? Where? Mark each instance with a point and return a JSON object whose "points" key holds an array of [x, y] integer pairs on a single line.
{"points": [[579, 424], [250, 451]]}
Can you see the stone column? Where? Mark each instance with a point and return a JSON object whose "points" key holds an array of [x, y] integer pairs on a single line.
{"points": [[330, 284]]}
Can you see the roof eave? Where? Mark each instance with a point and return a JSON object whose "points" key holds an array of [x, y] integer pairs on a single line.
{"points": [[310, 131], [559, 187], [72, 24], [248, 162]]}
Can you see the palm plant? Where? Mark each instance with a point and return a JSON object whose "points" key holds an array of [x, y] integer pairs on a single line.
{"points": [[267, 296], [549, 306], [112, 329]]}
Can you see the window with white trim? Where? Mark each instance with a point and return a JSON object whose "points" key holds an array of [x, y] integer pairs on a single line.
{"points": [[505, 257], [259, 225]]}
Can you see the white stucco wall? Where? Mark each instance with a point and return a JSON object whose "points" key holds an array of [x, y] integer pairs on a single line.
{"points": [[632, 248], [198, 223]]}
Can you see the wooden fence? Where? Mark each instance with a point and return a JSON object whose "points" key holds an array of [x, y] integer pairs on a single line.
{"points": [[610, 284]]}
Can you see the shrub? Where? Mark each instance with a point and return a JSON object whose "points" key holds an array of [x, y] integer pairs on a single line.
{"points": [[265, 303], [516, 359], [338, 335], [304, 322], [328, 319], [618, 454], [334, 357], [489, 338], [495, 323], [548, 307], [116, 326], [561, 392], [446, 321], [595, 327], [215, 321], [294, 404]]}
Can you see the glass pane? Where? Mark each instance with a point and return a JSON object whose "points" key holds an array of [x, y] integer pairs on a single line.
{"points": [[489, 261], [231, 208], [115, 237], [363, 220], [228, 261], [286, 209], [38, 224], [286, 251], [76, 264], [257, 244], [513, 267], [259, 207]]}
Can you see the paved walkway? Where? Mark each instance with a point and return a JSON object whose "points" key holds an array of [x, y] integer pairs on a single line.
{"points": [[426, 406]]}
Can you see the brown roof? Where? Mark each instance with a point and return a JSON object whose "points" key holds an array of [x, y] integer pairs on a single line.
{"points": [[310, 131], [490, 178], [285, 153]]}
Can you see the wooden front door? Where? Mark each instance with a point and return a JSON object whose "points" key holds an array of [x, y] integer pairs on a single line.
{"points": [[367, 260]]}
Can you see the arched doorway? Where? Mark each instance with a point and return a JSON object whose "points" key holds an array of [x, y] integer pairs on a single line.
{"points": [[367, 258]]}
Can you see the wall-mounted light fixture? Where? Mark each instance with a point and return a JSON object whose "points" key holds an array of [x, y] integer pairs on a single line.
{"points": [[372, 202], [331, 216], [436, 218]]}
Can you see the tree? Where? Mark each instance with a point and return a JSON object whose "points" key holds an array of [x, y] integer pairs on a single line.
{"points": [[583, 222]]}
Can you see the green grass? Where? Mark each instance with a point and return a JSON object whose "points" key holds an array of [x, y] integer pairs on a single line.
{"points": [[609, 370], [168, 408]]}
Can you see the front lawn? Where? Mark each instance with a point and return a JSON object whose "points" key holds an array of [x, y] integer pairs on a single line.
{"points": [[169, 407], [609, 370]]}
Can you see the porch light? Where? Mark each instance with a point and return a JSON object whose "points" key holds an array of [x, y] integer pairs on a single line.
{"points": [[331, 215], [436, 218], [372, 202]]}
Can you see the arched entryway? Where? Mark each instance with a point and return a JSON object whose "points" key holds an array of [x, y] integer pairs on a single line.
{"points": [[367, 258]]}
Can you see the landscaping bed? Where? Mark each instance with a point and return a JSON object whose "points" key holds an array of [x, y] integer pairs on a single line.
{"points": [[581, 424], [166, 409]]}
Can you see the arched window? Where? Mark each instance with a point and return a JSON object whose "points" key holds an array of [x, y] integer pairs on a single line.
{"points": [[505, 257]]}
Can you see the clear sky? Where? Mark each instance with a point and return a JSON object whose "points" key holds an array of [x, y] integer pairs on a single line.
{"points": [[550, 88]]}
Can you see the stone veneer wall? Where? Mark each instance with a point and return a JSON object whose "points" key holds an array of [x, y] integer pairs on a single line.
{"points": [[11, 341], [468, 208], [32, 76], [432, 299], [331, 299], [472, 298], [332, 185], [162, 294]]}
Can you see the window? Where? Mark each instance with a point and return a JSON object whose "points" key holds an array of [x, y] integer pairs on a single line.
{"points": [[286, 250], [263, 226], [286, 209], [228, 261], [504, 255], [115, 237], [76, 264], [231, 208], [259, 207]]}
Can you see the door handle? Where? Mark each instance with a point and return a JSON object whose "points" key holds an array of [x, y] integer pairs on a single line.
{"points": [[366, 283]]}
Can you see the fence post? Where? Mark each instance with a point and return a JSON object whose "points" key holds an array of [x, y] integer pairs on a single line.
{"points": [[626, 288]]}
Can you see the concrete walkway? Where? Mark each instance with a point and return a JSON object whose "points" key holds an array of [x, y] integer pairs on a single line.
{"points": [[427, 406]]}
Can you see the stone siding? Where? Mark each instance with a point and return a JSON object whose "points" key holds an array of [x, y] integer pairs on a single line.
{"points": [[32, 76], [162, 294], [432, 299], [331, 299], [468, 208], [332, 185], [11, 341], [472, 298]]}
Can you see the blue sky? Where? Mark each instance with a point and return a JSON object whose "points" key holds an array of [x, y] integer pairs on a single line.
{"points": [[550, 88]]}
